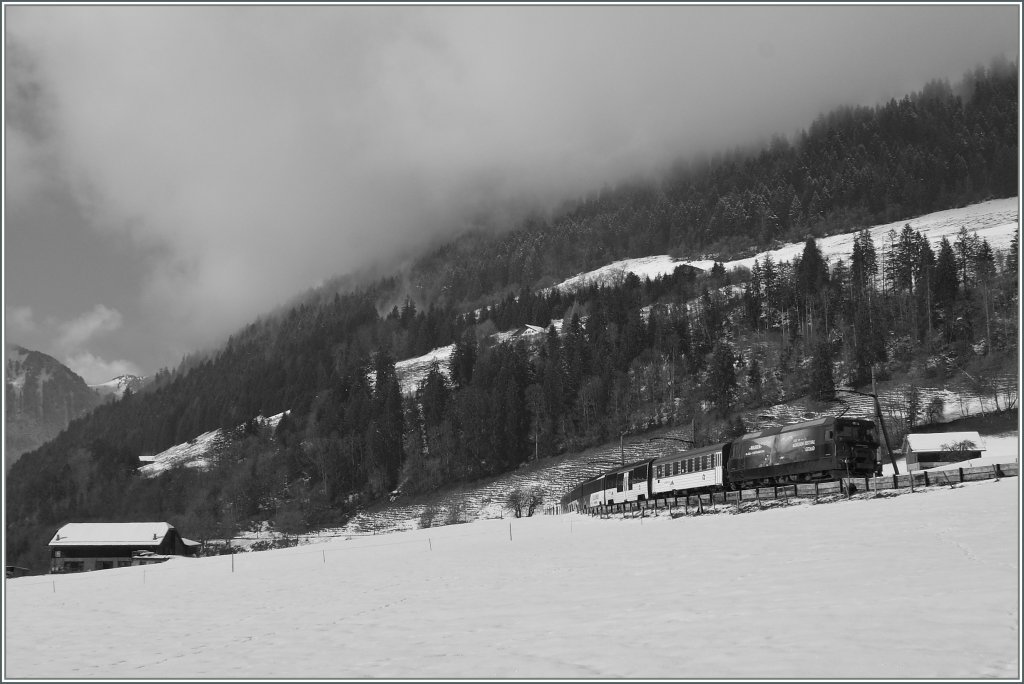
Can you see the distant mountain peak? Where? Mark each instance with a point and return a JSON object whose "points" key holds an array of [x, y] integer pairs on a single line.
{"points": [[43, 396], [116, 386]]}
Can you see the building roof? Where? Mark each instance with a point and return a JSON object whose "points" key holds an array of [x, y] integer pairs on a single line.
{"points": [[943, 441], [111, 534]]}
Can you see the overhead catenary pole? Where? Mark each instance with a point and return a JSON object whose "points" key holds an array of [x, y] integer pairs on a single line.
{"points": [[881, 423]]}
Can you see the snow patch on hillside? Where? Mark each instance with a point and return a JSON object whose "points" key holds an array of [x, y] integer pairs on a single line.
{"points": [[116, 386], [996, 221], [412, 372], [644, 267], [199, 452]]}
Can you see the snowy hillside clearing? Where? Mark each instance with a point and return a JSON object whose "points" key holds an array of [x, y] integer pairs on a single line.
{"points": [[995, 221], [197, 452], [865, 588]]}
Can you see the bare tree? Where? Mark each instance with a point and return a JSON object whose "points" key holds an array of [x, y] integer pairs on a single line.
{"points": [[960, 448], [514, 502], [936, 407], [534, 499]]}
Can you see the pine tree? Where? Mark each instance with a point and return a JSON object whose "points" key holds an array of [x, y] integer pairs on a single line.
{"points": [[822, 385], [721, 381], [755, 382], [946, 278], [463, 360], [388, 422], [434, 396], [864, 261]]}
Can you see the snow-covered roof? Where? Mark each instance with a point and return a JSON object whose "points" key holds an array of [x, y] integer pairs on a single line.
{"points": [[943, 441], [110, 534]]}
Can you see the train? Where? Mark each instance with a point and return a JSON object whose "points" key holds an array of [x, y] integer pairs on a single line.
{"points": [[823, 449]]}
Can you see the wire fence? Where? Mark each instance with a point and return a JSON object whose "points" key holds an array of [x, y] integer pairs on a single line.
{"points": [[231, 562], [810, 490], [331, 549]]}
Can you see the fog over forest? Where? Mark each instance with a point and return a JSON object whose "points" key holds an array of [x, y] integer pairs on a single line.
{"points": [[174, 172]]}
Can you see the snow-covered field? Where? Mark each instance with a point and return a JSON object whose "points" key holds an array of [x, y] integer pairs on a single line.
{"points": [[919, 585]]}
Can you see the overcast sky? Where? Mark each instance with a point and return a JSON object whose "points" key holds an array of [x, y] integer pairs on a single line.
{"points": [[173, 172]]}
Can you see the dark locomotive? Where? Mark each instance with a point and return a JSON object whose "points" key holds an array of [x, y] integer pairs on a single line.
{"points": [[823, 449]]}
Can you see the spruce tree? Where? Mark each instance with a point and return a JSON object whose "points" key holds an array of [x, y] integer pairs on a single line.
{"points": [[721, 381], [823, 386]]}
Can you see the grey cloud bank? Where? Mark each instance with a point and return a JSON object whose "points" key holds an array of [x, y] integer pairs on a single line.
{"points": [[208, 162]]}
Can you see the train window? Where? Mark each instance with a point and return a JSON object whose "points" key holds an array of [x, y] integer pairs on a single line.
{"points": [[689, 465], [675, 467], [704, 462], [657, 471]]}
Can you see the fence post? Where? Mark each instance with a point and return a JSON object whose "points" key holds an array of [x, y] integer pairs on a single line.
{"points": [[911, 482], [961, 474], [815, 491], [925, 478]]}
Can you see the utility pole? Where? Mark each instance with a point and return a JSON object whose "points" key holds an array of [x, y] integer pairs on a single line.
{"points": [[878, 414], [881, 423], [622, 453]]}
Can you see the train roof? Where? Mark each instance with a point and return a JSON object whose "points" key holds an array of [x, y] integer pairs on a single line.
{"points": [[629, 466], [692, 452], [804, 424]]}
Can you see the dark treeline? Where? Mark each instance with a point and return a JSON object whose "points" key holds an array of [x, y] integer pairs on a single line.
{"points": [[853, 166], [682, 349]]}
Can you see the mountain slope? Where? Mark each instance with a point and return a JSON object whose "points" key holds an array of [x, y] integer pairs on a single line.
{"points": [[115, 387], [43, 396]]}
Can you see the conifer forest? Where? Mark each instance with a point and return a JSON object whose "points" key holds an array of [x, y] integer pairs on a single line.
{"points": [[690, 348]]}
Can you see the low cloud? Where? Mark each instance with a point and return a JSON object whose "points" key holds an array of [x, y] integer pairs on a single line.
{"points": [[95, 370], [71, 341], [258, 150], [76, 333], [19, 321]]}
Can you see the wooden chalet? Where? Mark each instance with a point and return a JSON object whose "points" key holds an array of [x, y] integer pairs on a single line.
{"points": [[79, 547]]}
